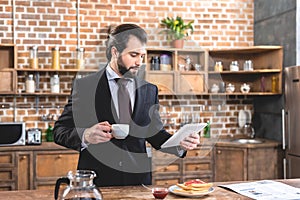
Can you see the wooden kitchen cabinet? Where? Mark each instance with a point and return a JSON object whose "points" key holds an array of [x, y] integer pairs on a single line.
{"points": [[245, 162], [264, 79], [34, 167], [8, 61], [49, 165], [174, 79], [169, 169]]}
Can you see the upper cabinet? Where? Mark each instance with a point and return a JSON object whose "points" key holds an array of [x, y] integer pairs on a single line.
{"points": [[255, 70], [8, 61], [177, 71], [258, 68]]}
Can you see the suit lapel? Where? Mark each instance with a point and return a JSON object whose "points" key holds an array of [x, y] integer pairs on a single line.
{"points": [[140, 96], [105, 108]]}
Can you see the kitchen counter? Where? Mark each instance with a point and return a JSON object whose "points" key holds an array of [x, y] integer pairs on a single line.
{"points": [[133, 192], [206, 141]]}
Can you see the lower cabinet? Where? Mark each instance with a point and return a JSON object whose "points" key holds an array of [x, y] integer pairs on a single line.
{"points": [[244, 163], [52, 164], [169, 169], [34, 167]]}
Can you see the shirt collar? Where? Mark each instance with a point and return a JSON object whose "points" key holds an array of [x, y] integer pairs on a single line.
{"points": [[112, 75]]}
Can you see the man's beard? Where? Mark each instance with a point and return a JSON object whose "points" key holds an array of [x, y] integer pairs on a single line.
{"points": [[123, 70]]}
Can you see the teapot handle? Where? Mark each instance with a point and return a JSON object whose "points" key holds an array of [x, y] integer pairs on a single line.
{"points": [[58, 183]]}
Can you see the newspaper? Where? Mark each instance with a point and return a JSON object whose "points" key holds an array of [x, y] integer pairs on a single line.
{"points": [[265, 190]]}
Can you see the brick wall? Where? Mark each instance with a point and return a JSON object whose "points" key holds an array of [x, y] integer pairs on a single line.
{"points": [[218, 23]]}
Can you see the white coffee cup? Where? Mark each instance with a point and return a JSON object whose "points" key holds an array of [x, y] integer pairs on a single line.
{"points": [[120, 131]]}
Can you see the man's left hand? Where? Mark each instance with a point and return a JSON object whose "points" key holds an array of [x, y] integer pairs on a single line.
{"points": [[190, 142]]}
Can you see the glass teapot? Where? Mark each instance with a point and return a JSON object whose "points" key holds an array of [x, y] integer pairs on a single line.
{"points": [[80, 186]]}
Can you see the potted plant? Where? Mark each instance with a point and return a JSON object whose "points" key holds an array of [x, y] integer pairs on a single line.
{"points": [[177, 30]]}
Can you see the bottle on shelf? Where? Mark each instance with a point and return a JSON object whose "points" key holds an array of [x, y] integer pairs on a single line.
{"points": [[206, 133], [155, 63], [54, 82], [218, 66], [30, 84], [49, 134], [33, 57], [274, 84], [80, 58], [55, 58]]}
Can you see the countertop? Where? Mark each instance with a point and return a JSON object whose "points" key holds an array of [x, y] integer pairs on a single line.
{"points": [[204, 141], [134, 192]]}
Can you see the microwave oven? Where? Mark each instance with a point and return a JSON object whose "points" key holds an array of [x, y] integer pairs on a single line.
{"points": [[12, 133]]}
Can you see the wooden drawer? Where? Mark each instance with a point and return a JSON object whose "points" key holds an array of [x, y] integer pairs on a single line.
{"points": [[55, 164], [197, 166], [201, 153], [171, 168], [7, 159], [204, 177], [6, 174], [166, 180]]}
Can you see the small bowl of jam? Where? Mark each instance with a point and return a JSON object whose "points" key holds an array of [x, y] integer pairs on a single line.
{"points": [[160, 192]]}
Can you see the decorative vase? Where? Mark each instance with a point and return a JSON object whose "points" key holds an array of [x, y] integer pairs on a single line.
{"points": [[178, 43]]}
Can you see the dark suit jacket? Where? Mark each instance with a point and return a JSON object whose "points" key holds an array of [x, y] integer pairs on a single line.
{"points": [[118, 162]]}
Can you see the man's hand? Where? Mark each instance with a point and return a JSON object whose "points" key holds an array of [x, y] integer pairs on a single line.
{"points": [[98, 133], [190, 142]]}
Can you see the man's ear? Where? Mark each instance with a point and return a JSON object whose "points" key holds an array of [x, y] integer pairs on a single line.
{"points": [[114, 52]]}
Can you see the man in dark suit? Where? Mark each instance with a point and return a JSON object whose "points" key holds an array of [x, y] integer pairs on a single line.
{"points": [[85, 123]]}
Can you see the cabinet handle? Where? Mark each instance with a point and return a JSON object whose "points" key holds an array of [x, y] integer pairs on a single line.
{"points": [[219, 152], [191, 89], [59, 156], [23, 158]]}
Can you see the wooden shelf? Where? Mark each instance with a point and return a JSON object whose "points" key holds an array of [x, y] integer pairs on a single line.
{"points": [[55, 70], [247, 72]]}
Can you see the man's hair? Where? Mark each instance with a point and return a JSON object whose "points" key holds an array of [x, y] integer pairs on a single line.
{"points": [[119, 36]]}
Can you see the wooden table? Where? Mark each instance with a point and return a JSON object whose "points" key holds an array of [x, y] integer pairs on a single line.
{"points": [[133, 192]]}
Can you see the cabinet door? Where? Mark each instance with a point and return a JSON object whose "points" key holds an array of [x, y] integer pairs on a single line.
{"points": [[49, 166], [230, 164], [163, 80], [24, 170], [262, 163], [190, 83]]}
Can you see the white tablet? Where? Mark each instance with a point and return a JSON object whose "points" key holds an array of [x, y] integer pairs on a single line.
{"points": [[183, 132]]}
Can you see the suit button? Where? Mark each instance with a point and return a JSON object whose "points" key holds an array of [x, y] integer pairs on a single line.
{"points": [[120, 163]]}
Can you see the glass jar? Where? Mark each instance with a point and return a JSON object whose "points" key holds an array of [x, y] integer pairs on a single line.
{"points": [[33, 57], [80, 186], [54, 82], [165, 62], [30, 84], [80, 58], [219, 66], [55, 58], [234, 66]]}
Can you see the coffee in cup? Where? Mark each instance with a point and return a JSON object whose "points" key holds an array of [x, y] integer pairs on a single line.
{"points": [[120, 131]]}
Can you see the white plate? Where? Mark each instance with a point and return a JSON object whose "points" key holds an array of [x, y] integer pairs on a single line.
{"points": [[175, 187], [183, 132], [249, 116], [242, 118]]}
